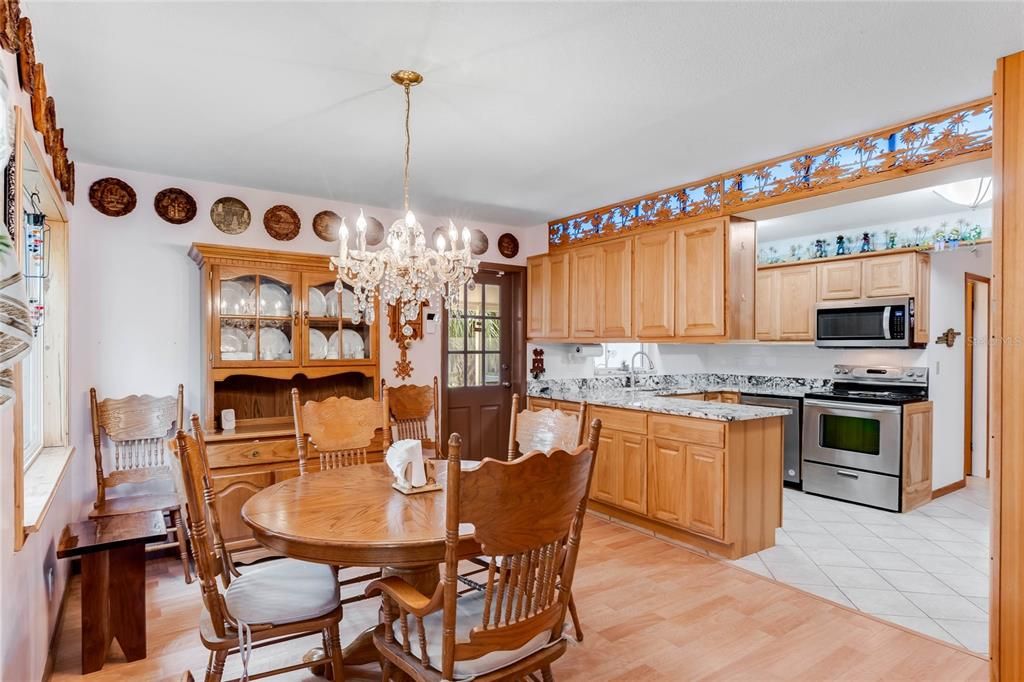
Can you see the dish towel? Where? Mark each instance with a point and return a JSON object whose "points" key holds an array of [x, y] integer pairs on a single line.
{"points": [[405, 459]]}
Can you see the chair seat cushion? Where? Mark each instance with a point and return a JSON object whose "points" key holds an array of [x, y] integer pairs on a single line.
{"points": [[469, 614], [283, 591]]}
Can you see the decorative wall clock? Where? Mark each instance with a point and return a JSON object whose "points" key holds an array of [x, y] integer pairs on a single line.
{"points": [[282, 222], [230, 215], [478, 242], [327, 225], [175, 205], [403, 336], [112, 197], [10, 13], [508, 245]]}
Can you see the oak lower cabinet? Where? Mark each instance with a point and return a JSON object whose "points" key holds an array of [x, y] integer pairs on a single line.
{"points": [[716, 485], [917, 455], [537, 404]]}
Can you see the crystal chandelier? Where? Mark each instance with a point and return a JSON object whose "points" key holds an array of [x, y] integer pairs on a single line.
{"points": [[405, 272]]}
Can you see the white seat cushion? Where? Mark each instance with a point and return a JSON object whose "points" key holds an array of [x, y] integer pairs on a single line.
{"points": [[469, 614], [283, 591]]}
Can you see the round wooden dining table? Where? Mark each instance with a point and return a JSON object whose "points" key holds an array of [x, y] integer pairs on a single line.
{"points": [[351, 516]]}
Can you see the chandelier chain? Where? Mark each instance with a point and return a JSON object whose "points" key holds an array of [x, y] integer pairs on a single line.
{"points": [[408, 144]]}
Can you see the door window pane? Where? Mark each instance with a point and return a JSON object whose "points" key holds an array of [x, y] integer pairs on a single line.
{"points": [[456, 371], [492, 334], [492, 300], [474, 334], [474, 370], [456, 333], [492, 371], [475, 300]]}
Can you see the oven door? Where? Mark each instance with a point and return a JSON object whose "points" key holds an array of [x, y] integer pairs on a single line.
{"points": [[853, 435]]}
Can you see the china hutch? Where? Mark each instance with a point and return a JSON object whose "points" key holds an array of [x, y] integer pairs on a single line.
{"points": [[271, 321]]}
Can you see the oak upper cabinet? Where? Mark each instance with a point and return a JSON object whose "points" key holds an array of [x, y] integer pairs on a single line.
{"points": [[786, 298], [615, 283], [839, 281], [701, 279], [547, 298], [888, 276], [584, 292], [654, 284], [922, 299]]}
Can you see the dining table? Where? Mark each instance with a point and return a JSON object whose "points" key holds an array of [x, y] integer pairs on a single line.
{"points": [[353, 517]]}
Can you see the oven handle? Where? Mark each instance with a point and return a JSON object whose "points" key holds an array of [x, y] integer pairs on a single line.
{"points": [[860, 407], [887, 322], [847, 474]]}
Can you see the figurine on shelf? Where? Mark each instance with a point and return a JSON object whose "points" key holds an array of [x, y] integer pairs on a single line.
{"points": [[939, 241], [773, 255], [865, 243], [953, 240], [841, 246], [819, 248], [794, 252], [890, 239], [919, 235]]}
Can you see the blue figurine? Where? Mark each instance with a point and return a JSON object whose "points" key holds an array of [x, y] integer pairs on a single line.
{"points": [[840, 245]]}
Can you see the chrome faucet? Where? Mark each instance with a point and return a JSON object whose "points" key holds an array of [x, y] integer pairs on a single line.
{"points": [[632, 367]]}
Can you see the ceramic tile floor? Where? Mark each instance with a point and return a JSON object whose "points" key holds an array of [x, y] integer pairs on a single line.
{"points": [[927, 570]]}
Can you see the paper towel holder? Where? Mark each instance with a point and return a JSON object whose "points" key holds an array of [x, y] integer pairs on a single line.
{"points": [[429, 466]]}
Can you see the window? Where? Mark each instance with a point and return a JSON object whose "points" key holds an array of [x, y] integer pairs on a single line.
{"points": [[475, 337], [32, 402], [616, 358]]}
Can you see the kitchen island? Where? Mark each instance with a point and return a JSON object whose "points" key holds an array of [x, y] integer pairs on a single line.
{"points": [[702, 472]]}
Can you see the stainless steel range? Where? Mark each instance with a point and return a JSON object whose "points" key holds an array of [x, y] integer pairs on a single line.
{"points": [[853, 434]]}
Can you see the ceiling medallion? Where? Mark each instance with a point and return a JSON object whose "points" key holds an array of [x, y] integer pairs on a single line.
{"points": [[406, 272]]}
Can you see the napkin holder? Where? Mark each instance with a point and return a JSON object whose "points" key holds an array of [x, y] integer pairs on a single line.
{"points": [[431, 484]]}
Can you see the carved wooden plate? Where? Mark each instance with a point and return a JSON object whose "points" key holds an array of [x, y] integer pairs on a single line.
{"points": [[112, 196], [508, 245], [477, 242], [230, 215], [282, 222], [327, 225], [175, 205]]}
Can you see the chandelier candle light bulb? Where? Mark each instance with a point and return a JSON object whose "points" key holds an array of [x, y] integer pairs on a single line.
{"points": [[405, 273]]}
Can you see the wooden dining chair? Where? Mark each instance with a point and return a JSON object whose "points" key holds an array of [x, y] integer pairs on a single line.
{"points": [[139, 478], [411, 407], [544, 430], [339, 429], [270, 604], [514, 626]]}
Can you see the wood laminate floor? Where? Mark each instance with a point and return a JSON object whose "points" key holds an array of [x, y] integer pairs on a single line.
{"points": [[651, 611]]}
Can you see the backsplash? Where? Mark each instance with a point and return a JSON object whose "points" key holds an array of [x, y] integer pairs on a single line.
{"points": [[696, 382]]}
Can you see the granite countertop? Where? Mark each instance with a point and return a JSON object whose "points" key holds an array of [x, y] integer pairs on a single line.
{"points": [[658, 401], [760, 390]]}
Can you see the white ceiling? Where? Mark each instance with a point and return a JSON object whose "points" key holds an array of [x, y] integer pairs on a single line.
{"points": [[529, 112]]}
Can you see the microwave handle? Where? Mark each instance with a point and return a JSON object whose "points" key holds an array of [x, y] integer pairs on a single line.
{"points": [[886, 322]]}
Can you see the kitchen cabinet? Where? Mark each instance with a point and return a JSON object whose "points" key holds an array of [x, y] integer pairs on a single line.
{"points": [[666, 473], [655, 284], [547, 296], [701, 260], [786, 298], [705, 490], [839, 281], [536, 404], [917, 454], [620, 473], [585, 292], [922, 299], [615, 282], [890, 276]]}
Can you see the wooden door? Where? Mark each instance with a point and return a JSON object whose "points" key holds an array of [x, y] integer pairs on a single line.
{"points": [[232, 491], [666, 467], [604, 486], [766, 325], [479, 351], [700, 279], [839, 281], [917, 455], [557, 312], [797, 287], [886, 276], [615, 282], [704, 499], [633, 472], [585, 288], [536, 296], [922, 298], [654, 284]]}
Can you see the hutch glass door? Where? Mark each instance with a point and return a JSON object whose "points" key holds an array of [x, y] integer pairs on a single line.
{"points": [[331, 335], [256, 318]]}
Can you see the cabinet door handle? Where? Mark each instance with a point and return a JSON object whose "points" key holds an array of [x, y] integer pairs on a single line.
{"points": [[305, 317]]}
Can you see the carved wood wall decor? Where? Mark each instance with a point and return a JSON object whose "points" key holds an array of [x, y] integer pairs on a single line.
{"points": [[403, 336], [39, 99], [26, 54], [112, 197], [282, 222], [327, 225], [230, 215], [952, 136], [10, 14], [478, 242], [175, 205], [508, 245]]}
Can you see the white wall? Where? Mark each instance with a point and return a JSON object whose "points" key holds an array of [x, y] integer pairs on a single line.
{"points": [[946, 364]]}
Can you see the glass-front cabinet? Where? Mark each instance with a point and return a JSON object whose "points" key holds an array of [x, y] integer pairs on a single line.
{"points": [[330, 335]]}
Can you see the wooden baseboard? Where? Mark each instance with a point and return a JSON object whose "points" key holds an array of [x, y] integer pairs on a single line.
{"points": [[51, 652], [947, 489]]}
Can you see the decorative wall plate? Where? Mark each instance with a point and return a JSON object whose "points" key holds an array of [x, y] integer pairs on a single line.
{"points": [[112, 196], [478, 242], [175, 205], [10, 13], [26, 54], [230, 215], [282, 222], [374, 231], [508, 245], [327, 225]]}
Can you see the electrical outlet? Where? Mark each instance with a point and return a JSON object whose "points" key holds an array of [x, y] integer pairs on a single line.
{"points": [[938, 367]]}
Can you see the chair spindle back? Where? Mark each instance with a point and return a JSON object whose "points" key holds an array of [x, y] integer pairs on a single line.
{"points": [[411, 406]]}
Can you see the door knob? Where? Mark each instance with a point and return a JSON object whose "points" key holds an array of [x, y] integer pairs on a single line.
{"points": [[507, 384]]}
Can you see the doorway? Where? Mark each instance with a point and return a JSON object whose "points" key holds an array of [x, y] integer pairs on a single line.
{"points": [[483, 360], [976, 375]]}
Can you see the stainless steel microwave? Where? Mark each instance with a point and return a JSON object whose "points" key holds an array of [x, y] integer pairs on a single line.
{"points": [[872, 323]]}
